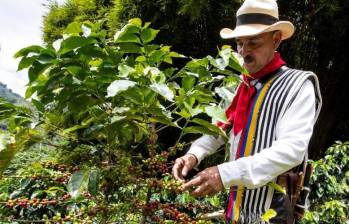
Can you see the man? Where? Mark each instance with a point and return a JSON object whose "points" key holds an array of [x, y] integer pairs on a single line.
{"points": [[271, 120]]}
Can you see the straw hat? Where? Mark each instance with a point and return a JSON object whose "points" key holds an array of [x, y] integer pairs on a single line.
{"points": [[258, 16]]}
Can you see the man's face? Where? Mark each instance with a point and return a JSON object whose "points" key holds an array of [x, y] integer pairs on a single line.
{"points": [[258, 50]]}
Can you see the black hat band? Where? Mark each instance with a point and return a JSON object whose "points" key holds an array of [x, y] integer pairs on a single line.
{"points": [[255, 18]]}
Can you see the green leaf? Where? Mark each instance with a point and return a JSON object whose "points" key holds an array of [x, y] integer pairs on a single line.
{"points": [[120, 110], [158, 115], [73, 28], [193, 111], [74, 70], [141, 58], [135, 21], [269, 214], [148, 34], [7, 151], [155, 56], [168, 59], [45, 58], [225, 55], [128, 38], [29, 91], [35, 70], [277, 187], [196, 63], [39, 106], [163, 120], [128, 33], [208, 125], [186, 198], [217, 63], [78, 183], [74, 42], [217, 113], [199, 130], [31, 49], [119, 85], [71, 129], [93, 51], [215, 201], [233, 59], [125, 70], [37, 194], [53, 190], [116, 118], [225, 94], [130, 48], [26, 62], [188, 82], [236, 62], [91, 130], [163, 90], [174, 54], [93, 182]]}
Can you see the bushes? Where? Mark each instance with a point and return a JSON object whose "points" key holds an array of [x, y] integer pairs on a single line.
{"points": [[330, 190], [106, 106]]}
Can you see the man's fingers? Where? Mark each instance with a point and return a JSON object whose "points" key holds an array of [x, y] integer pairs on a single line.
{"points": [[185, 170], [201, 191], [177, 170], [194, 182]]}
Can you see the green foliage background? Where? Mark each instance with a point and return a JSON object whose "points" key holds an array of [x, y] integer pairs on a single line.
{"points": [[330, 187], [192, 27], [102, 104], [78, 81]]}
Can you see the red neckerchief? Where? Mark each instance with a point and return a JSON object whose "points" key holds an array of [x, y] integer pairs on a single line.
{"points": [[237, 113]]}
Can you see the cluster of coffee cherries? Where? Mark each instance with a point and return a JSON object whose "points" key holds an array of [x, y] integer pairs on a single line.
{"points": [[157, 212], [157, 164], [172, 185], [63, 179], [65, 170], [59, 167], [35, 202], [171, 212], [167, 183]]}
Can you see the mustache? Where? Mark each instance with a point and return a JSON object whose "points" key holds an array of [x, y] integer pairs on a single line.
{"points": [[248, 59]]}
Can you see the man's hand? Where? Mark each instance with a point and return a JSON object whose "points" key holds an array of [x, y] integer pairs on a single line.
{"points": [[207, 182], [182, 166]]}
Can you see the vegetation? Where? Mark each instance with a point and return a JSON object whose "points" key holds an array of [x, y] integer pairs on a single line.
{"points": [[192, 28], [112, 111], [102, 105], [330, 187]]}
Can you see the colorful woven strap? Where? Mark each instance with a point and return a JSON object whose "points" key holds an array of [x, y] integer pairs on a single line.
{"points": [[244, 150]]}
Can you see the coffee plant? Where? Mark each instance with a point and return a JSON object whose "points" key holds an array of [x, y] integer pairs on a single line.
{"points": [[116, 113], [330, 190]]}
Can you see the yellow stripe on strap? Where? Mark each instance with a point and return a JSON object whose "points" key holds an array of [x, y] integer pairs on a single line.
{"points": [[252, 129], [249, 144], [237, 202]]}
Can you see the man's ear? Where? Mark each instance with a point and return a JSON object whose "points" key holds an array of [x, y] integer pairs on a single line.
{"points": [[277, 39]]}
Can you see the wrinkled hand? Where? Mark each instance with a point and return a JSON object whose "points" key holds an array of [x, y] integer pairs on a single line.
{"points": [[207, 182], [182, 166]]}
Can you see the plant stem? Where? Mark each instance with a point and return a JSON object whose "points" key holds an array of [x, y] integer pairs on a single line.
{"points": [[166, 126], [182, 134]]}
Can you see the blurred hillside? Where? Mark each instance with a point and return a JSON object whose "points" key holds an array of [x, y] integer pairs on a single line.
{"points": [[10, 96]]}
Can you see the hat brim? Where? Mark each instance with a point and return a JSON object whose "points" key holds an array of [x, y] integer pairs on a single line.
{"points": [[286, 28]]}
